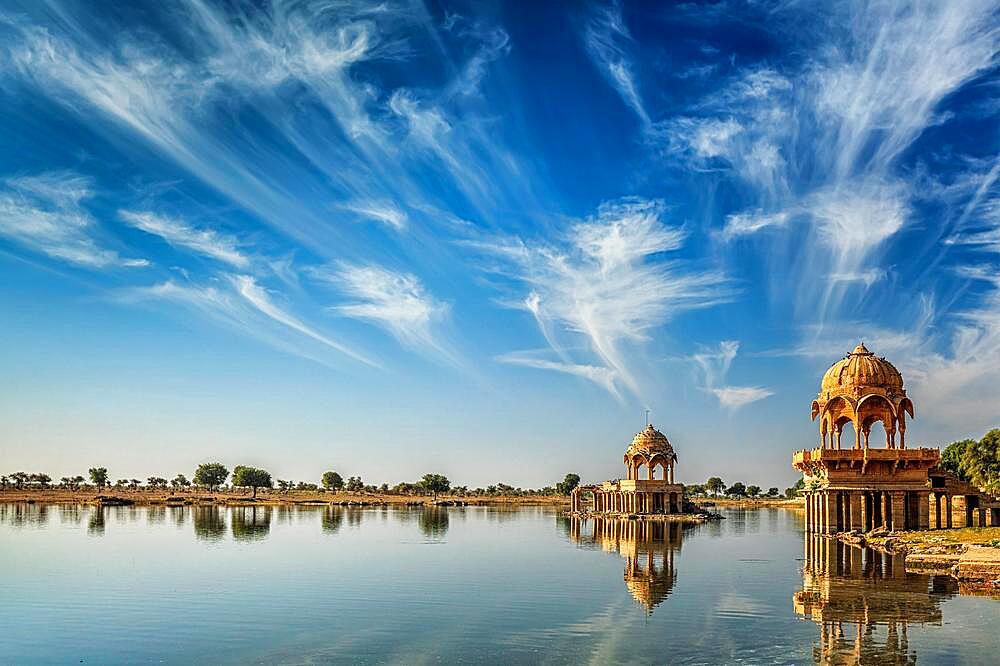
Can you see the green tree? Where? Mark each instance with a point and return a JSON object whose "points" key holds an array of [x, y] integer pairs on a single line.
{"points": [[211, 475], [796, 489], [354, 484], [951, 458], [333, 481], [98, 476], [753, 491], [156, 482], [569, 482], [180, 481], [737, 490], [715, 485], [981, 461], [773, 491], [251, 477], [435, 483]]}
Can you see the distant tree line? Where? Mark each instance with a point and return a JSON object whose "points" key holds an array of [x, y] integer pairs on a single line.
{"points": [[716, 487], [214, 475]]}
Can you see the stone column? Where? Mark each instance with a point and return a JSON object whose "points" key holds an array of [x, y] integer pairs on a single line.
{"points": [[855, 499], [827, 509], [866, 517], [886, 509], [898, 511], [958, 504], [810, 517], [947, 505], [923, 510], [937, 511]]}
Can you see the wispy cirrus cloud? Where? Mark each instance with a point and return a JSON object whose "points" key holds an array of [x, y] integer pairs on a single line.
{"points": [[604, 377], [608, 41], [396, 302], [607, 285], [714, 365], [823, 139], [179, 233], [384, 212], [45, 214], [242, 304]]}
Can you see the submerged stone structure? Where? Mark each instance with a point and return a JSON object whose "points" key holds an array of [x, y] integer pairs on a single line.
{"points": [[650, 450], [862, 487]]}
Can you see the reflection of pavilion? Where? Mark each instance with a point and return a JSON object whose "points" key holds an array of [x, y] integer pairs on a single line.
{"points": [[852, 592], [648, 549]]}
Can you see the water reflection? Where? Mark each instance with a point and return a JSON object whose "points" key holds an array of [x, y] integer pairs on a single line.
{"points": [[647, 546], [864, 600], [23, 514], [209, 523], [331, 519], [433, 522], [250, 523], [95, 522]]}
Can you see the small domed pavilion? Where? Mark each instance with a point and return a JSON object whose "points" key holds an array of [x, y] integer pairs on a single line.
{"points": [[642, 492]]}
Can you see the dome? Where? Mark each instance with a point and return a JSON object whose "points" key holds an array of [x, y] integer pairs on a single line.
{"points": [[650, 442], [863, 369]]}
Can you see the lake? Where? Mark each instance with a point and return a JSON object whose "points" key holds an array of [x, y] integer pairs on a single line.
{"points": [[316, 585]]}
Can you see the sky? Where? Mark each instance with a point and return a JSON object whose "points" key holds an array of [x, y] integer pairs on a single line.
{"points": [[482, 239]]}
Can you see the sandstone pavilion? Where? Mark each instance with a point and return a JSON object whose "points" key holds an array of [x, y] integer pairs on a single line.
{"points": [[855, 485], [643, 493]]}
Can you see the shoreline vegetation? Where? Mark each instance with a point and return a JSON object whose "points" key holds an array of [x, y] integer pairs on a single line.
{"points": [[151, 496]]}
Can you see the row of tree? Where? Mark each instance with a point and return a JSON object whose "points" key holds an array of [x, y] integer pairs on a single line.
{"points": [[716, 487], [213, 476], [977, 462]]}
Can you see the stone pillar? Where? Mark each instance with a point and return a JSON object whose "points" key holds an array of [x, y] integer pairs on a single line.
{"points": [[958, 511], [923, 510], [937, 511], [866, 512], [828, 508], [947, 506], [857, 516], [886, 509], [981, 513], [898, 511], [808, 512]]}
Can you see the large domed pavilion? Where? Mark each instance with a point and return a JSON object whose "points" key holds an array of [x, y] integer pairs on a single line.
{"points": [[863, 487], [862, 389]]}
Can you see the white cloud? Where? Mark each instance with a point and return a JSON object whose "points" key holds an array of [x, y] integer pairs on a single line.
{"points": [[745, 224], [607, 285], [855, 218], [604, 377], [385, 212], [44, 213], [247, 287], [239, 303], [734, 397], [868, 277], [180, 234], [715, 365], [606, 38], [396, 302]]}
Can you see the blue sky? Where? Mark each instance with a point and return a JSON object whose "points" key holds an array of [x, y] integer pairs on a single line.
{"points": [[481, 238]]}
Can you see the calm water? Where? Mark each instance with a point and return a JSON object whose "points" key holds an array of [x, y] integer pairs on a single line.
{"points": [[474, 585]]}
